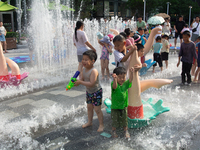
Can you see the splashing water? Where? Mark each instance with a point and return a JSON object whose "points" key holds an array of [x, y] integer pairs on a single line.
{"points": [[56, 60]]}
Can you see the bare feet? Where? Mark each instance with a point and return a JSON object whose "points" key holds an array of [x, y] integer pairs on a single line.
{"points": [[126, 134], [86, 125], [114, 134], [101, 127]]}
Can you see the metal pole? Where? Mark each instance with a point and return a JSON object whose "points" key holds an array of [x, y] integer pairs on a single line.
{"points": [[190, 15], [144, 9], [168, 8]]}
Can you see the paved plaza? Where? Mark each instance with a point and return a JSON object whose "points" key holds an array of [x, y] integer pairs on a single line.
{"points": [[51, 118]]}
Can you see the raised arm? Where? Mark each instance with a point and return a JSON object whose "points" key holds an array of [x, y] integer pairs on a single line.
{"points": [[149, 43]]}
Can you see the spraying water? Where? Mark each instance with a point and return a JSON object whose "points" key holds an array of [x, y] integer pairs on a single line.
{"points": [[56, 60]]}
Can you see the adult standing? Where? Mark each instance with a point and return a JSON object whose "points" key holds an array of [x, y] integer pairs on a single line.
{"points": [[167, 26], [81, 42], [2, 36], [141, 23], [179, 25], [195, 29]]}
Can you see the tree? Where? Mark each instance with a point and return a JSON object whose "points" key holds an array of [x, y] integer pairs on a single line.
{"points": [[177, 7]]}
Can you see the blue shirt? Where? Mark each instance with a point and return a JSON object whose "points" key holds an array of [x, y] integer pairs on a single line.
{"points": [[146, 36], [157, 47]]}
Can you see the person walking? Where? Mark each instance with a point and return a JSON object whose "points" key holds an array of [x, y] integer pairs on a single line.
{"points": [[195, 29], [179, 25], [2, 36]]}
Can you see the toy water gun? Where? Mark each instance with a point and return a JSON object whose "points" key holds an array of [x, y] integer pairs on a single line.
{"points": [[73, 79]]}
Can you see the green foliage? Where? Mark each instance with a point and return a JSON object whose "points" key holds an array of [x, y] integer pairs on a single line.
{"points": [[177, 7], [86, 8], [12, 34]]}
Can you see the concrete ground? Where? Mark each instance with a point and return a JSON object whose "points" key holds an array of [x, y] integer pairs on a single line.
{"points": [[51, 119]]}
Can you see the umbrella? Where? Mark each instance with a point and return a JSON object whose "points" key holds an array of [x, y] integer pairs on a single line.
{"points": [[164, 15], [156, 20], [4, 6]]}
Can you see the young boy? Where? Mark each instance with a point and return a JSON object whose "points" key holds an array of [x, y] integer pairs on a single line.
{"points": [[198, 61], [146, 34], [90, 79], [165, 48], [186, 54], [141, 32], [121, 57], [119, 96], [140, 49], [156, 56]]}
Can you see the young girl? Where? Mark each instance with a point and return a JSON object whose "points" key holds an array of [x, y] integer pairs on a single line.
{"points": [[90, 79], [106, 49], [81, 42]]}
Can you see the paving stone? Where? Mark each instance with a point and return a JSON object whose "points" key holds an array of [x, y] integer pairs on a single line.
{"points": [[43, 103], [39, 93], [20, 103], [8, 114]]}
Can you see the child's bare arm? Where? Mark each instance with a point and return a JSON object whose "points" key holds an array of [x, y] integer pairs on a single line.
{"points": [[100, 43], [133, 48], [114, 81], [179, 59]]}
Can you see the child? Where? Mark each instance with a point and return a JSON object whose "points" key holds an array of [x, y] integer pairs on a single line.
{"points": [[186, 54], [90, 79], [146, 34], [165, 48], [140, 49], [186, 28], [198, 61], [156, 56], [121, 57], [106, 49], [141, 33], [119, 96]]}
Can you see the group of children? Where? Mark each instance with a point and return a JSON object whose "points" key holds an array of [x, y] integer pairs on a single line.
{"points": [[121, 83]]}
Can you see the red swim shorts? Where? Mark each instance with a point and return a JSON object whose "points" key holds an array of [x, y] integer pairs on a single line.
{"points": [[135, 112]]}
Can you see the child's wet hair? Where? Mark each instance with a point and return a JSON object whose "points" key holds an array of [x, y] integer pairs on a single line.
{"points": [[139, 46], [198, 38], [91, 54], [119, 38], [186, 33], [139, 29], [145, 30], [127, 31], [119, 70], [123, 34], [158, 38]]}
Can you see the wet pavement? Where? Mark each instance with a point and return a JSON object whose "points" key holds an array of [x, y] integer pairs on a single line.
{"points": [[51, 118]]}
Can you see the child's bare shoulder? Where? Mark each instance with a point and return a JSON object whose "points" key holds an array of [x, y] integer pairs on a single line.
{"points": [[94, 71]]}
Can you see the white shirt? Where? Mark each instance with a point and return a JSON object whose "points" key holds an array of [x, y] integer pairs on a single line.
{"points": [[194, 25], [80, 45], [166, 28], [2, 30], [159, 31], [118, 57]]}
